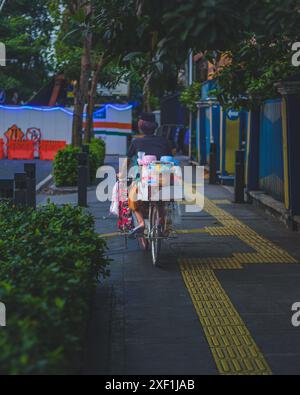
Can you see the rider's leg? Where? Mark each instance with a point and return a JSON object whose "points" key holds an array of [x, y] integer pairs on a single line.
{"points": [[141, 224], [140, 218], [135, 206]]}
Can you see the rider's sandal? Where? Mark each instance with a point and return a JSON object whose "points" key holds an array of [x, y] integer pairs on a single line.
{"points": [[138, 230]]}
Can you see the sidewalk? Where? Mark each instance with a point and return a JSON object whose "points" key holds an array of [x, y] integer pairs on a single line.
{"points": [[221, 304]]}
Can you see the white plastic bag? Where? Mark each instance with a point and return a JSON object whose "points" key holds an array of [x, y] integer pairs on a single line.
{"points": [[114, 207]]}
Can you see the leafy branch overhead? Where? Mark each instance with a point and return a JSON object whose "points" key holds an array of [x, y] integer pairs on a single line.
{"points": [[148, 43], [26, 29], [190, 96]]}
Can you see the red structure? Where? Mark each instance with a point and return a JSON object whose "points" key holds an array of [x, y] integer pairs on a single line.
{"points": [[49, 149], [20, 150], [20, 146], [1, 149]]}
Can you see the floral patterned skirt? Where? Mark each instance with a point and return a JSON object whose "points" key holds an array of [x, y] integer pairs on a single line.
{"points": [[125, 222]]}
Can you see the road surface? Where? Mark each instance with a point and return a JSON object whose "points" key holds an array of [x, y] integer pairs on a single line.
{"points": [[9, 167]]}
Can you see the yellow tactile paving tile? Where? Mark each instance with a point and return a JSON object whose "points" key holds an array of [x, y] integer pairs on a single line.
{"points": [[233, 348], [219, 231], [264, 250], [214, 263], [190, 231], [110, 235], [221, 202]]}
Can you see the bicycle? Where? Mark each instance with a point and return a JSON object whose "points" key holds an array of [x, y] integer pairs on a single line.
{"points": [[158, 227]]}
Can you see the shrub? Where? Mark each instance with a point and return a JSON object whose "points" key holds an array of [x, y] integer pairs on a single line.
{"points": [[65, 168], [97, 156], [50, 262]]}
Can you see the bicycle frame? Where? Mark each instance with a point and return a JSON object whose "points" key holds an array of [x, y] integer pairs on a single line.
{"points": [[157, 230]]}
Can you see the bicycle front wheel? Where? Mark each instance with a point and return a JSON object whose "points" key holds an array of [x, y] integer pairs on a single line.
{"points": [[155, 234]]}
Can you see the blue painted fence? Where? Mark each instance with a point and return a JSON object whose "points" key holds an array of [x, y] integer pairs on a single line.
{"points": [[267, 168], [271, 170]]}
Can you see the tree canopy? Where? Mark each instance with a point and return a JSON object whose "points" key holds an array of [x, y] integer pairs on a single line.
{"points": [[26, 29], [98, 40]]}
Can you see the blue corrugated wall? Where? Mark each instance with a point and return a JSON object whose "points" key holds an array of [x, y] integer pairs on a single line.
{"points": [[194, 138], [207, 132], [271, 171], [266, 170], [202, 137]]}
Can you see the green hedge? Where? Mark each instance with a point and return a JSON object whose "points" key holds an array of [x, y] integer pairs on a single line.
{"points": [[50, 262], [97, 156], [65, 167]]}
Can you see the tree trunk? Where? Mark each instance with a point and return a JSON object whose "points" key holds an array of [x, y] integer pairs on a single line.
{"points": [[147, 93], [89, 128], [82, 92]]}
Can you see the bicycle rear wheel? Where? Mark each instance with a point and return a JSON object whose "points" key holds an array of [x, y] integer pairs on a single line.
{"points": [[155, 234]]}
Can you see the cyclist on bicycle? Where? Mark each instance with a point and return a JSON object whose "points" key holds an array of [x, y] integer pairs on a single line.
{"points": [[150, 144]]}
